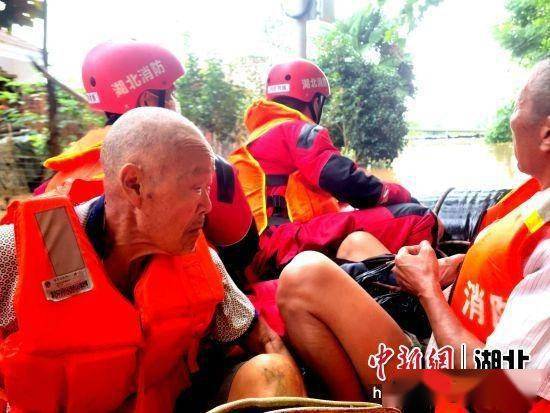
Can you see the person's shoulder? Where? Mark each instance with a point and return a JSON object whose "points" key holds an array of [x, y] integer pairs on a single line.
{"points": [[7, 240], [305, 133], [8, 275], [537, 208], [83, 210], [539, 260]]}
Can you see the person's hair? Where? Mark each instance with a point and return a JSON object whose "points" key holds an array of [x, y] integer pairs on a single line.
{"points": [[150, 134], [291, 103], [539, 89]]}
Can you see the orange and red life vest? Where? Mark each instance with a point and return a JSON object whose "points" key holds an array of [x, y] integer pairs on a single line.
{"points": [[81, 346], [492, 268], [80, 161], [302, 200], [494, 264]]}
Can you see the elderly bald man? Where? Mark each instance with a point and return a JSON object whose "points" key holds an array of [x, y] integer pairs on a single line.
{"points": [[106, 306]]}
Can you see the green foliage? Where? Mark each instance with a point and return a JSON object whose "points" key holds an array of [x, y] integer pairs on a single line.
{"points": [[500, 130], [210, 100], [23, 112], [21, 12], [413, 11], [23, 115], [371, 76], [527, 35], [74, 118], [527, 32], [15, 107]]}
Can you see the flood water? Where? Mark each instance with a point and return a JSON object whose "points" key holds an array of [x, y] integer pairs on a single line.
{"points": [[430, 166]]}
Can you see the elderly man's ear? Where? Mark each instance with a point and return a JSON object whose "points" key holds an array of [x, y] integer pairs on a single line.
{"points": [[545, 135], [131, 180]]}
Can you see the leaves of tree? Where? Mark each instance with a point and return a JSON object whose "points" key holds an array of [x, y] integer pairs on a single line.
{"points": [[371, 76], [21, 12], [209, 99], [527, 32], [527, 35]]}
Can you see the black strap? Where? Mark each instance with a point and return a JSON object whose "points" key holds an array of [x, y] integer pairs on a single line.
{"points": [[321, 99], [276, 201], [111, 118], [276, 180], [280, 212], [276, 220], [95, 226], [225, 180], [162, 98]]}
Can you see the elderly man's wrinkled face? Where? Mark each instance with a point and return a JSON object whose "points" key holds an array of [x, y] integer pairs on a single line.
{"points": [[525, 130], [176, 201], [522, 130]]}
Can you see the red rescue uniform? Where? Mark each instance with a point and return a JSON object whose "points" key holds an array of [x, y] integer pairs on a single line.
{"points": [[294, 178]]}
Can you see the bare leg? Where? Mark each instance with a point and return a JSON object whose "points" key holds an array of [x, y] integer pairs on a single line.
{"points": [[267, 375], [359, 246], [326, 313]]}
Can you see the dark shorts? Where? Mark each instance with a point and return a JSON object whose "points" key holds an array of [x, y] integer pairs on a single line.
{"points": [[210, 386]]}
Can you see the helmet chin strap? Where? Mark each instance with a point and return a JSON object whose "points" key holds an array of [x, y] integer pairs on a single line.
{"points": [[161, 102], [316, 117], [162, 98]]}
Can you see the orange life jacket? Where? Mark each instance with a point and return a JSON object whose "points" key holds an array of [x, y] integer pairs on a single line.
{"points": [[83, 347], [511, 201], [80, 161], [303, 200], [494, 264]]}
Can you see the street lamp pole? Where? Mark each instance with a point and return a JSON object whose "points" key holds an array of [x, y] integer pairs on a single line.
{"points": [[301, 11], [302, 37]]}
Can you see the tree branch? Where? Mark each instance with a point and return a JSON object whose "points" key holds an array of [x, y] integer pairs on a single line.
{"points": [[66, 88]]}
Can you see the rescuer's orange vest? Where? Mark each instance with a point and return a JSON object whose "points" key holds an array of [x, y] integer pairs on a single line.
{"points": [[494, 264], [80, 162], [303, 200], [511, 201], [81, 346]]}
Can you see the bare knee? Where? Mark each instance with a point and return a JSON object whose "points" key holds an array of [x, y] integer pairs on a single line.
{"points": [[360, 245], [304, 275], [267, 375]]}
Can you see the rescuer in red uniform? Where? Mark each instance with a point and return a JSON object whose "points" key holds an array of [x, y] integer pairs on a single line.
{"points": [[295, 179]]}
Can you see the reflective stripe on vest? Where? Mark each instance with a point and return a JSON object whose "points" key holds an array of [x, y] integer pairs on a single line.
{"points": [[494, 265], [81, 346], [510, 201], [303, 200]]}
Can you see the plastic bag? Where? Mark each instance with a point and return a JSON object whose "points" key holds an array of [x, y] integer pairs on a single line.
{"points": [[376, 277]]}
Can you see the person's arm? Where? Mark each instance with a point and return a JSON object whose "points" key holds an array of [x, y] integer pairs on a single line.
{"points": [[262, 339], [8, 281], [236, 320], [417, 271], [323, 165]]}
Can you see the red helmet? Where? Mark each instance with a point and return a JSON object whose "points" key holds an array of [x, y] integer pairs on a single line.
{"points": [[116, 74], [299, 79]]}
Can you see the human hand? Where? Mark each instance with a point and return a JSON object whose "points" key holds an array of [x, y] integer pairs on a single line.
{"points": [[449, 268], [417, 269]]}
